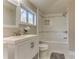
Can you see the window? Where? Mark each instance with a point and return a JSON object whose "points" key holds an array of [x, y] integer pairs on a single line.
{"points": [[30, 18], [27, 17], [23, 16]]}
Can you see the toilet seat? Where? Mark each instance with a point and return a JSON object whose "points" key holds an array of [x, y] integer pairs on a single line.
{"points": [[43, 47]]}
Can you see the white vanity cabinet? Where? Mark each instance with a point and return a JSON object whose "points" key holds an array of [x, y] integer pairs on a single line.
{"points": [[26, 48]]}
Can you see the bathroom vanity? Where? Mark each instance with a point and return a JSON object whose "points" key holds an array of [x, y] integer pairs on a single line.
{"points": [[21, 47]]}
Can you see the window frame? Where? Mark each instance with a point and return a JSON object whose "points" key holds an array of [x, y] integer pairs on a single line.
{"points": [[26, 12], [28, 16], [34, 16]]}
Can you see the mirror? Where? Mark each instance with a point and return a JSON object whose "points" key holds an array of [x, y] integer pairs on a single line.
{"points": [[9, 14]]}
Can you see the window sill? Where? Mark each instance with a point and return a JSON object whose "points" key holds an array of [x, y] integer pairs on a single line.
{"points": [[28, 24]]}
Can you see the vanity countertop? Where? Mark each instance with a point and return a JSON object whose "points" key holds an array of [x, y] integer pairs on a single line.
{"points": [[15, 39]]}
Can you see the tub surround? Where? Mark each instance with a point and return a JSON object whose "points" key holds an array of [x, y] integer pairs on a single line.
{"points": [[55, 30]]}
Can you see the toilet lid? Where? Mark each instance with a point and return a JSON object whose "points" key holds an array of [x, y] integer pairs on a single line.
{"points": [[43, 45]]}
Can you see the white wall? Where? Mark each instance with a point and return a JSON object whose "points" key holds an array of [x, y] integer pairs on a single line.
{"points": [[54, 31], [71, 22]]}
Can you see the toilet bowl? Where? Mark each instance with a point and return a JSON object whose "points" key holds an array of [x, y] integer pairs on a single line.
{"points": [[43, 47], [43, 51]]}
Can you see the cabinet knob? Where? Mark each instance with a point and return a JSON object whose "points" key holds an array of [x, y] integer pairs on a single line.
{"points": [[32, 45], [65, 37]]}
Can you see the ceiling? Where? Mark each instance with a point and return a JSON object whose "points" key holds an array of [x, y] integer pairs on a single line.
{"points": [[50, 6]]}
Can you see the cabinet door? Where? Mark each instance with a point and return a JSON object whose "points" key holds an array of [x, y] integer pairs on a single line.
{"points": [[36, 46], [9, 14], [5, 52], [24, 51]]}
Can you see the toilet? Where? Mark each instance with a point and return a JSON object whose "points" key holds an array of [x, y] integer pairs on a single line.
{"points": [[43, 48]]}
